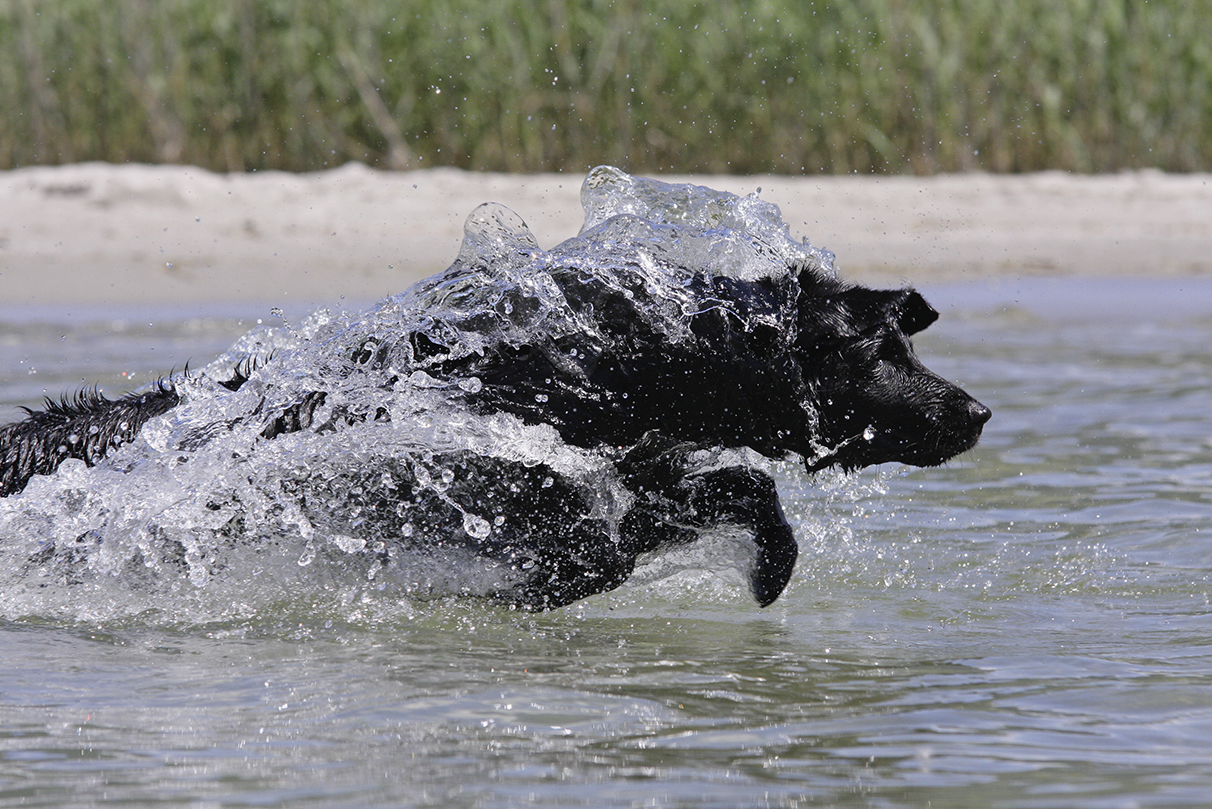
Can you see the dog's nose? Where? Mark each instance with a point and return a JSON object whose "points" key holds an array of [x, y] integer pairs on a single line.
{"points": [[978, 414]]}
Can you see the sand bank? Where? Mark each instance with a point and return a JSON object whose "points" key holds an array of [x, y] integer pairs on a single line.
{"points": [[136, 234]]}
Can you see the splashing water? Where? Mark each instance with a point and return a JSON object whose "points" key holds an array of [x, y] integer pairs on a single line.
{"points": [[200, 518]]}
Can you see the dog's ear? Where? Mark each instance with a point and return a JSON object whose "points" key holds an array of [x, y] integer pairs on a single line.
{"points": [[857, 309], [912, 312], [870, 308]]}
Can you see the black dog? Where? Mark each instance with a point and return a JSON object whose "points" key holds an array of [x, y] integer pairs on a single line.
{"points": [[641, 381], [798, 364]]}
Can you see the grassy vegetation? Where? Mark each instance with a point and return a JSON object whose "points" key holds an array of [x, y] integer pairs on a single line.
{"points": [[652, 85]]}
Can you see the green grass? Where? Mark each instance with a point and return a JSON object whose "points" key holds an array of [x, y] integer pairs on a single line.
{"points": [[736, 86]]}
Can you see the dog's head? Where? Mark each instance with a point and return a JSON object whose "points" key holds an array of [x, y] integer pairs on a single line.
{"points": [[872, 398]]}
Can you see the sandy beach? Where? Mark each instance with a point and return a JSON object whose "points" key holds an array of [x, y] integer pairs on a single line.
{"points": [[135, 234]]}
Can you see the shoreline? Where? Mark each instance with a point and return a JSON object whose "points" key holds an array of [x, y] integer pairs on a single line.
{"points": [[99, 235]]}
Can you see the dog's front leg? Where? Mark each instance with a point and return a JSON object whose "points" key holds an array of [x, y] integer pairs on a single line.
{"points": [[673, 505], [748, 498]]}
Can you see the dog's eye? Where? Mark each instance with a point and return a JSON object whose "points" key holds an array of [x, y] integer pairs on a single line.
{"points": [[887, 369], [895, 351]]}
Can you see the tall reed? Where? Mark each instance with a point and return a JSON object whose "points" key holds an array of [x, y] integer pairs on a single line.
{"points": [[653, 85]]}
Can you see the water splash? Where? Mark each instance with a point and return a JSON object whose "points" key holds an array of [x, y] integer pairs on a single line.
{"points": [[202, 519]]}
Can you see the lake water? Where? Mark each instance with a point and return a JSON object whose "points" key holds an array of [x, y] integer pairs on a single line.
{"points": [[1028, 626]]}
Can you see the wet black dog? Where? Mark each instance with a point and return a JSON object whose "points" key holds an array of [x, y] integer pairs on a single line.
{"points": [[798, 364]]}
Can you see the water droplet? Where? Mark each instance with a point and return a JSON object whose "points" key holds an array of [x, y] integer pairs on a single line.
{"points": [[476, 526], [348, 544]]}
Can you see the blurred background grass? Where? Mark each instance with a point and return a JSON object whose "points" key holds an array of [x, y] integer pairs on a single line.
{"points": [[786, 86]]}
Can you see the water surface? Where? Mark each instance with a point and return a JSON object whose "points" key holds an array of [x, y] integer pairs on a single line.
{"points": [[1027, 626]]}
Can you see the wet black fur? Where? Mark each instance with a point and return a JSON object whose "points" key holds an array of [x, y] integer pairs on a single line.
{"points": [[802, 365], [85, 426]]}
